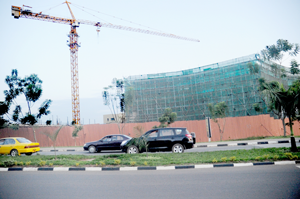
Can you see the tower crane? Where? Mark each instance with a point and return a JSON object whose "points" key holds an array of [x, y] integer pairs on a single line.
{"points": [[25, 12]]}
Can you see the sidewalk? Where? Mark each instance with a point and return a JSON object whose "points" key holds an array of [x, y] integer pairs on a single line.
{"points": [[199, 144]]}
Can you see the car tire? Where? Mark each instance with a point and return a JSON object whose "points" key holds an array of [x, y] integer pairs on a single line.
{"points": [[14, 152], [28, 154], [132, 149], [177, 148], [92, 149]]}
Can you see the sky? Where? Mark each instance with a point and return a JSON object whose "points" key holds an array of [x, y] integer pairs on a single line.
{"points": [[226, 30]]}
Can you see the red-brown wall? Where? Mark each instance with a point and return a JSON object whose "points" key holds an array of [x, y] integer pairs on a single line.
{"points": [[235, 128]]}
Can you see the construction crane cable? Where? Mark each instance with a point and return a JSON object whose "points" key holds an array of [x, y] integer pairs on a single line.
{"points": [[52, 7], [115, 17]]}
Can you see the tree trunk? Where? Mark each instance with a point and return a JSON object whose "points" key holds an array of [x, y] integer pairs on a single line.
{"points": [[293, 141], [284, 129], [34, 136]]}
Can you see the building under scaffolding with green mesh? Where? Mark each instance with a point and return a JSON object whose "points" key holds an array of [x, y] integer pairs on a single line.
{"points": [[188, 92]]}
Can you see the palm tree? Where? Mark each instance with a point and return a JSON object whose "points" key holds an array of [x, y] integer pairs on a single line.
{"points": [[285, 101]]}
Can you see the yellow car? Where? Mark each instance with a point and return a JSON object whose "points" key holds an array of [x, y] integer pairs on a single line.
{"points": [[17, 146]]}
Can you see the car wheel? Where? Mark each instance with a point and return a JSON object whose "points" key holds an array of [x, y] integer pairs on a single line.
{"points": [[28, 154], [132, 149], [14, 153], [92, 149], [177, 148]]}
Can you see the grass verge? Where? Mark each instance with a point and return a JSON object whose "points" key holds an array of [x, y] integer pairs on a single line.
{"points": [[153, 159]]}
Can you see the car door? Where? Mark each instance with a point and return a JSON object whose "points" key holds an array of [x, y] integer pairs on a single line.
{"points": [[165, 138], [116, 142], [8, 145], [152, 139], [105, 143]]}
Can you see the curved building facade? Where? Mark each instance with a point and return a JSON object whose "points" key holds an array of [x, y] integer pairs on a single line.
{"points": [[188, 92]]}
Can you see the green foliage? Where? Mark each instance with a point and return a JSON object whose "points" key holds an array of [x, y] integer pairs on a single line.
{"points": [[214, 160], [76, 130], [224, 159], [266, 156], [132, 163], [76, 164], [42, 163], [51, 164], [102, 163], [28, 163], [275, 157], [9, 162], [232, 159], [117, 161], [253, 68], [168, 117], [294, 67], [257, 107]]}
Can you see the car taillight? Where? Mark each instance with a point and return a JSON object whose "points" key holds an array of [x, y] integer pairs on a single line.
{"points": [[31, 146], [189, 136]]}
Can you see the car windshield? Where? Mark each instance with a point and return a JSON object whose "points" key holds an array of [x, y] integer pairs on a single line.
{"points": [[23, 140], [127, 136]]}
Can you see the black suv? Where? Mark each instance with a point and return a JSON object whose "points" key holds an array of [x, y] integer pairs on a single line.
{"points": [[161, 139]]}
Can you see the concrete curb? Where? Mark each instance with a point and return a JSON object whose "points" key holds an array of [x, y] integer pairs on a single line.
{"points": [[245, 143], [204, 166]]}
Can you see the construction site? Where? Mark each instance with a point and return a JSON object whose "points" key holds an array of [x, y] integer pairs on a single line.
{"points": [[188, 92]]}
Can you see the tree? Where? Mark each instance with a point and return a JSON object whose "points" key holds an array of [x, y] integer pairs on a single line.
{"points": [[141, 141], [31, 88], [75, 132], [294, 67], [217, 112], [53, 137], [168, 117], [277, 52], [266, 88], [286, 101], [118, 101]]}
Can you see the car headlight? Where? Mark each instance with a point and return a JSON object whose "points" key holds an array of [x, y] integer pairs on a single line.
{"points": [[84, 145], [124, 142]]}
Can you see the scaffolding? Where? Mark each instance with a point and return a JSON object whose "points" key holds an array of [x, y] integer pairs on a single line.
{"points": [[188, 92]]}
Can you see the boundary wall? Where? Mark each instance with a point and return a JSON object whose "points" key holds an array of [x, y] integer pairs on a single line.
{"points": [[235, 128]]}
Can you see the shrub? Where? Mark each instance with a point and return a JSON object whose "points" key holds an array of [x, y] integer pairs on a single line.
{"points": [[102, 163], [258, 158], [117, 161], [265, 157], [214, 160], [275, 157], [289, 155], [28, 163], [50, 164], [146, 163], [295, 157], [16, 162], [224, 159], [21, 163], [132, 163], [42, 163], [232, 159], [9, 162], [76, 164]]}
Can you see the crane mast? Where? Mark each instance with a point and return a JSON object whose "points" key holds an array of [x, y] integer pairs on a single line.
{"points": [[73, 44]]}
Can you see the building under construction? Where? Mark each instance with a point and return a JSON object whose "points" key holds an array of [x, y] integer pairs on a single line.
{"points": [[188, 92]]}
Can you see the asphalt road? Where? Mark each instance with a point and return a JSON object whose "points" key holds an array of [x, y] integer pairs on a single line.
{"points": [[197, 149], [236, 182]]}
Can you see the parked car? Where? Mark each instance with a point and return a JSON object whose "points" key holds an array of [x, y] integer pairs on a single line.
{"points": [[17, 146], [161, 139], [109, 142]]}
